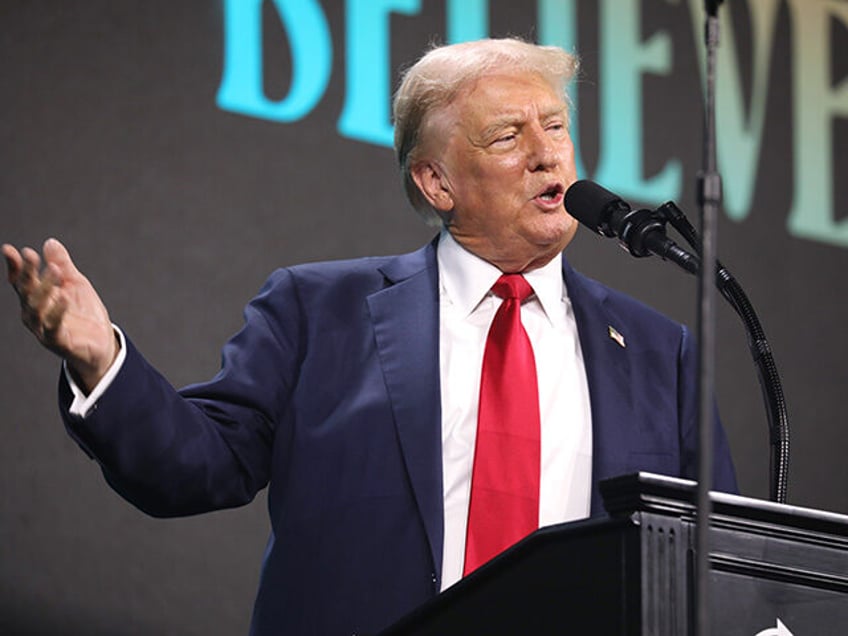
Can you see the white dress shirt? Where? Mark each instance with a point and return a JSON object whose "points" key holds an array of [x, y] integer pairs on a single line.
{"points": [[466, 309]]}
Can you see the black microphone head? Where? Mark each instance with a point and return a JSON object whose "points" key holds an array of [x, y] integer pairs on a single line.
{"points": [[592, 205]]}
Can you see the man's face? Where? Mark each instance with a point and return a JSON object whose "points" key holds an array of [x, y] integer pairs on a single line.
{"points": [[498, 160]]}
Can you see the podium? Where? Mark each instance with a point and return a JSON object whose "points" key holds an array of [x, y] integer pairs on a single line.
{"points": [[775, 570]]}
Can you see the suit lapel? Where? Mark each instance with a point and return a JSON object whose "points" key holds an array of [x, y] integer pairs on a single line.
{"points": [[608, 374], [405, 316]]}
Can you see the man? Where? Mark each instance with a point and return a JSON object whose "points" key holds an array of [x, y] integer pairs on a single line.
{"points": [[352, 388]]}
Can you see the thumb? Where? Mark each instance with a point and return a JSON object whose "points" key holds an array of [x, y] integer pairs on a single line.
{"points": [[57, 255]]}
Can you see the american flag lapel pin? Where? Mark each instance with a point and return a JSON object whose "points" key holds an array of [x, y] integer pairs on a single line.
{"points": [[613, 333]]}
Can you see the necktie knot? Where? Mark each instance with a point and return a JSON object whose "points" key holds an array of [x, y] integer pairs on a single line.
{"points": [[512, 286]]}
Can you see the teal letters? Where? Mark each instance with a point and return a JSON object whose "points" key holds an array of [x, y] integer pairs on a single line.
{"points": [[311, 51], [625, 59], [366, 115], [816, 102]]}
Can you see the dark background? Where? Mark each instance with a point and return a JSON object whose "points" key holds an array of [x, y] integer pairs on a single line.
{"points": [[110, 139]]}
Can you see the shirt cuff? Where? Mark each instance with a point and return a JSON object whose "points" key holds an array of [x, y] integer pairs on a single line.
{"points": [[83, 404]]}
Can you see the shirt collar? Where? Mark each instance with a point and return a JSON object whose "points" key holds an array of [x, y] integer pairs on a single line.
{"points": [[466, 278]]}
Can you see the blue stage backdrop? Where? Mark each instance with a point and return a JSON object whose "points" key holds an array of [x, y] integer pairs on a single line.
{"points": [[183, 150]]}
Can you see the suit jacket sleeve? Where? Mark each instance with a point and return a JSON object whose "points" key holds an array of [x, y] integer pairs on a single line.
{"points": [[207, 446]]}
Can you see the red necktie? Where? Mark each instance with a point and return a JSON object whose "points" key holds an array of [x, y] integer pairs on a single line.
{"points": [[504, 506]]}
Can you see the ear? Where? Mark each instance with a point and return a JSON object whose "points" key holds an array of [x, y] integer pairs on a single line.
{"points": [[433, 184]]}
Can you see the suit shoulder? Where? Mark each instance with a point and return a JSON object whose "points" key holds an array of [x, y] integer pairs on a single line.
{"points": [[330, 272], [349, 279]]}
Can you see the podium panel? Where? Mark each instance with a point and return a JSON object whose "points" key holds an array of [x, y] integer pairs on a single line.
{"points": [[775, 570]]}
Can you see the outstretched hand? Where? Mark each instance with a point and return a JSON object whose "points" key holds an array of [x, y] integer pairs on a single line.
{"points": [[60, 306]]}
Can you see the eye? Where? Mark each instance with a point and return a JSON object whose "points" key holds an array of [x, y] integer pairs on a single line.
{"points": [[505, 138]]}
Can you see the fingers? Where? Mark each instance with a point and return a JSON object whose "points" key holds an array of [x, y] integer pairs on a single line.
{"points": [[57, 254], [36, 304], [24, 268], [27, 281], [14, 262], [48, 300], [52, 312], [30, 274], [39, 290]]}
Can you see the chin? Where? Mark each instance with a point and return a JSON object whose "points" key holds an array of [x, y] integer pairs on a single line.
{"points": [[557, 231]]}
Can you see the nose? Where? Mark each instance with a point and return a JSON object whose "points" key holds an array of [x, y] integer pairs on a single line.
{"points": [[543, 151]]}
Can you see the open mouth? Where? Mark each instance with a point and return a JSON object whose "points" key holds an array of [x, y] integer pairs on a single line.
{"points": [[553, 193]]}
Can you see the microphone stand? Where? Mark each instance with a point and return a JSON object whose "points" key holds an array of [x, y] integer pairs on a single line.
{"points": [[709, 200]]}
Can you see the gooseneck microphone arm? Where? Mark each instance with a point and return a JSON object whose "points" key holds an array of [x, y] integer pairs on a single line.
{"points": [[767, 374]]}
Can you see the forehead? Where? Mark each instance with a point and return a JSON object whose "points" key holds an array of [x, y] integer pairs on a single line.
{"points": [[500, 95], [487, 103]]}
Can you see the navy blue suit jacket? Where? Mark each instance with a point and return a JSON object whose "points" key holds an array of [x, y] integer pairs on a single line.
{"points": [[330, 393]]}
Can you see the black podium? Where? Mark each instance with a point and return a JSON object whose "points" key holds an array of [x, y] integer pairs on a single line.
{"points": [[775, 570]]}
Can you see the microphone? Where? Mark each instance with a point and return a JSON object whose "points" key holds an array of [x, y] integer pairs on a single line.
{"points": [[640, 232]]}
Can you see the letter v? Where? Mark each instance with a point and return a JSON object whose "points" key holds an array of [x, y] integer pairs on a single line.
{"points": [[739, 134]]}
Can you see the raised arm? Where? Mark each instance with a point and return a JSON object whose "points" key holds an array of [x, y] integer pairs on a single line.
{"points": [[166, 452]]}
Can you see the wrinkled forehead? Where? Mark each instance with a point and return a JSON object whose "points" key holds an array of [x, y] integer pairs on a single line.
{"points": [[507, 90], [499, 96]]}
